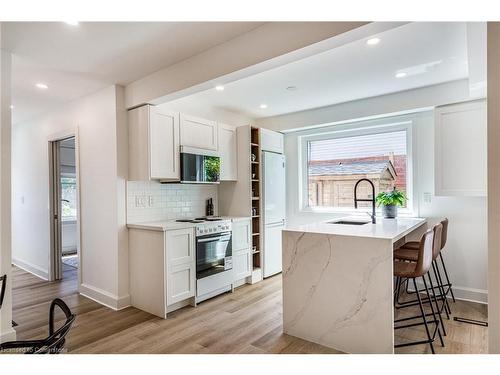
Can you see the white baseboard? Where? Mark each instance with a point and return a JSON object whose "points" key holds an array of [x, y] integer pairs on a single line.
{"points": [[465, 294], [105, 298], [31, 268], [10, 335]]}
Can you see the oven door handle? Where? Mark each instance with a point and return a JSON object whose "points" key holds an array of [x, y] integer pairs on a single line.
{"points": [[214, 239]]}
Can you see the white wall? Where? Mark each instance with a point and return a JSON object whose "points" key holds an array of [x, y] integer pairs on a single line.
{"points": [[466, 251], [430, 96], [104, 255]]}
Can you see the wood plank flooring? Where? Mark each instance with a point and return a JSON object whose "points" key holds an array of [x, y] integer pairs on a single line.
{"points": [[247, 321]]}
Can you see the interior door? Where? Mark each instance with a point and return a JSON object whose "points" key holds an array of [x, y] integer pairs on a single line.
{"points": [[56, 212], [274, 188]]}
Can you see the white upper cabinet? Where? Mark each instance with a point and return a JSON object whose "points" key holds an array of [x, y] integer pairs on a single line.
{"points": [[271, 141], [198, 132], [228, 151], [460, 149], [153, 144]]}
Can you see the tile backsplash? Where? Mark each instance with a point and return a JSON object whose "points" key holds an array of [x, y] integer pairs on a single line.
{"points": [[152, 201]]}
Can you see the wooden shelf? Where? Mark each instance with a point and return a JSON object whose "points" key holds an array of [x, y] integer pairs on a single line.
{"points": [[255, 234], [254, 162], [254, 144], [255, 216], [256, 252], [255, 180], [255, 198]]}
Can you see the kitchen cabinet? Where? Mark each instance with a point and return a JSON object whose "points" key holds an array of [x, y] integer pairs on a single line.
{"points": [[154, 144], [228, 151], [271, 141], [181, 265], [460, 147], [198, 132], [162, 269], [242, 248]]}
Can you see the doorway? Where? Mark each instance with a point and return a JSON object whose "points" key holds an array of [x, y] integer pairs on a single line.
{"points": [[64, 257]]}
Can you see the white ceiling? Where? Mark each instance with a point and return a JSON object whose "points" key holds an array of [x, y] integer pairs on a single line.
{"points": [[430, 53], [77, 60]]}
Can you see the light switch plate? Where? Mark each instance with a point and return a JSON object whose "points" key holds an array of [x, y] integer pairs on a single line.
{"points": [[427, 197]]}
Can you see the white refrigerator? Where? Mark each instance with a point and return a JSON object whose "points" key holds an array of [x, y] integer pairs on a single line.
{"points": [[274, 210]]}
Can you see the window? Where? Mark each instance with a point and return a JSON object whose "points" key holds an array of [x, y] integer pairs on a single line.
{"points": [[68, 198], [335, 161]]}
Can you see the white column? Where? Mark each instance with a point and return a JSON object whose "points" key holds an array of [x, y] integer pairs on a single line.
{"points": [[6, 331], [494, 187]]}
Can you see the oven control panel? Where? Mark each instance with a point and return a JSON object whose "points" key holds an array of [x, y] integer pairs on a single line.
{"points": [[213, 228]]}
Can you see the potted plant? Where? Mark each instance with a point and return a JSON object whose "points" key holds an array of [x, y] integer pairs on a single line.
{"points": [[390, 200]]}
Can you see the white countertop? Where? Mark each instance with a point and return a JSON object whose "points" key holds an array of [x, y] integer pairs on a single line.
{"points": [[392, 229], [172, 224]]}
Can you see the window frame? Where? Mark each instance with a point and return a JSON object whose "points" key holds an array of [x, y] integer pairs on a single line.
{"points": [[353, 129]]}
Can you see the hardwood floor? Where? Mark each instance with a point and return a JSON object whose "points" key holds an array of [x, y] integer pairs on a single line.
{"points": [[247, 321]]}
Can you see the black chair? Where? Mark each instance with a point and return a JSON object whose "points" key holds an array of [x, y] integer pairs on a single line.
{"points": [[54, 343], [3, 280]]}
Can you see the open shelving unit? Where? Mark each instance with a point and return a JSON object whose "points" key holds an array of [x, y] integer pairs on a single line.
{"points": [[256, 207]]}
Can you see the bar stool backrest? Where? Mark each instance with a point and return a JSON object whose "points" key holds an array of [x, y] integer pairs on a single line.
{"points": [[444, 235], [436, 246], [425, 253]]}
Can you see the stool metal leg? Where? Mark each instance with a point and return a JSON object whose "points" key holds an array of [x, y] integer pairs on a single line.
{"points": [[443, 293], [423, 316], [447, 278], [438, 311]]}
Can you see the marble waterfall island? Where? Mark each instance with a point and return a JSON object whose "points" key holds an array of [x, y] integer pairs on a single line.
{"points": [[338, 283]]}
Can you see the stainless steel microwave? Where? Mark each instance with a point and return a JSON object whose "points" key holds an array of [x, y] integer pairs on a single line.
{"points": [[199, 166]]}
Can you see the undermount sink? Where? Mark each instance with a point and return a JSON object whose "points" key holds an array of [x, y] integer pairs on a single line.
{"points": [[349, 222]]}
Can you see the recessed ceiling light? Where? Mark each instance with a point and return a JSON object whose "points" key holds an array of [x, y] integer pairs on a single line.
{"points": [[11, 106], [291, 88], [219, 88], [72, 23], [42, 86], [373, 41], [263, 106], [401, 74]]}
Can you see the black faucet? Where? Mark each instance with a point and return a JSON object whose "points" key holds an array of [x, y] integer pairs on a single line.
{"points": [[356, 199]]}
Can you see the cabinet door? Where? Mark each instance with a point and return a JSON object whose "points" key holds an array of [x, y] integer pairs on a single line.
{"points": [[242, 264], [271, 141], [198, 132], [460, 149], [228, 152], [181, 265], [241, 235], [164, 145]]}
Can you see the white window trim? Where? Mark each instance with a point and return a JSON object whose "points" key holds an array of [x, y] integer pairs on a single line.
{"points": [[383, 125]]}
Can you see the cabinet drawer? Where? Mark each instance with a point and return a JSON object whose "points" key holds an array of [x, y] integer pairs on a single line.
{"points": [[242, 264]]}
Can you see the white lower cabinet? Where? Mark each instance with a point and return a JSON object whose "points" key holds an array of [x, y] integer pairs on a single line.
{"points": [[162, 269], [180, 265], [242, 248]]}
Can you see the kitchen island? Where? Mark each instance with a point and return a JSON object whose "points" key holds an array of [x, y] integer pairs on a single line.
{"points": [[338, 282]]}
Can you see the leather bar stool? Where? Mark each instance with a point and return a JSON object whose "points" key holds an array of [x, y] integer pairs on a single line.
{"points": [[408, 252], [412, 271], [436, 248]]}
